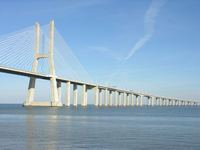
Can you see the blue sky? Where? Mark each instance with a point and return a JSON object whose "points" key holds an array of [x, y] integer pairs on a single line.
{"points": [[147, 46]]}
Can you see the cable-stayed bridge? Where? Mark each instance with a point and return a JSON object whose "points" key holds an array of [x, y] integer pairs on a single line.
{"points": [[41, 53]]}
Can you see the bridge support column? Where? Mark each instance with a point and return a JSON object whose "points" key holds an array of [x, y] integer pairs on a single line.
{"points": [[152, 104], [110, 103], [127, 99], [136, 100], [160, 101], [148, 101], [120, 99], [115, 103], [166, 102], [75, 95], [141, 100], [54, 93], [132, 104], [86, 96], [124, 99], [185, 103], [83, 96], [96, 96], [172, 102], [163, 102], [100, 97], [105, 97], [31, 91], [156, 101], [59, 90], [179, 104], [67, 100]]}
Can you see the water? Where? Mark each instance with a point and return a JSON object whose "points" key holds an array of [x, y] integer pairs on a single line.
{"points": [[99, 128]]}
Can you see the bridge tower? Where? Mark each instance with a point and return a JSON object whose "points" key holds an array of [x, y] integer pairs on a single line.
{"points": [[55, 86]]}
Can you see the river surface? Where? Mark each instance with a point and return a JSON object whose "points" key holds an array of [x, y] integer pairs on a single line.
{"points": [[99, 128]]}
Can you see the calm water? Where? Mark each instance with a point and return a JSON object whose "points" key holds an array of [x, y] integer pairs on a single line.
{"points": [[99, 128]]}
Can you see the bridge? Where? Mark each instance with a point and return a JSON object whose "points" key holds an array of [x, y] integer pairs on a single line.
{"points": [[43, 51]]}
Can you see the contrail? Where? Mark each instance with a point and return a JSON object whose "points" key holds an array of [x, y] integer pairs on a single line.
{"points": [[149, 18], [149, 25]]}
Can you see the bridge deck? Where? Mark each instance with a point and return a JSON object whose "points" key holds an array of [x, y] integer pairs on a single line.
{"points": [[90, 85]]}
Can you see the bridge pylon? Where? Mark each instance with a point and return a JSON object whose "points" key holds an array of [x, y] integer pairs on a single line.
{"points": [[55, 87]]}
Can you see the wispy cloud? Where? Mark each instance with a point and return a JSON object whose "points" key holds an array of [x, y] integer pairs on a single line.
{"points": [[106, 51], [151, 13], [100, 49], [149, 18]]}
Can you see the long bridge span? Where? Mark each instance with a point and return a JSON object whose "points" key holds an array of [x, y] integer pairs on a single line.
{"points": [[121, 97]]}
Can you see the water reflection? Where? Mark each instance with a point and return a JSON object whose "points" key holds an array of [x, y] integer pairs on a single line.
{"points": [[42, 131]]}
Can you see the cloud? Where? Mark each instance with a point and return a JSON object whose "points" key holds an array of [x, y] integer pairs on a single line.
{"points": [[106, 51], [100, 49], [151, 13], [149, 19]]}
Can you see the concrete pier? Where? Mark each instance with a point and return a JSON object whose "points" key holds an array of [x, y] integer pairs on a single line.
{"points": [[156, 101], [96, 96], [127, 101], [75, 95], [163, 102], [115, 103], [83, 101], [59, 90], [148, 101], [136, 99], [169, 102], [132, 104], [152, 101], [67, 99], [105, 97], [172, 102], [166, 102], [124, 99], [110, 94], [86, 96], [160, 101], [141, 100], [100, 97], [120, 99]]}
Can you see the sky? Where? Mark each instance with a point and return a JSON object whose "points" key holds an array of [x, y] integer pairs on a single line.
{"points": [[141, 45]]}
